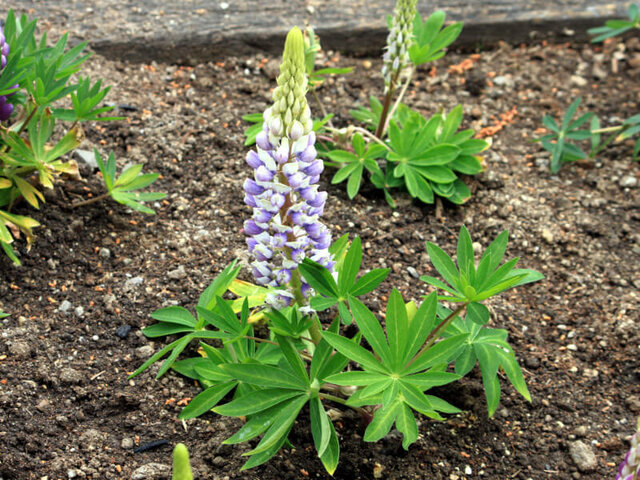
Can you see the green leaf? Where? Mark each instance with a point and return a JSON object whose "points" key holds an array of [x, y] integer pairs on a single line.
{"points": [[440, 353], [354, 352], [350, 267], [357, 378], [264, 375], [397, 325], [510, 366], [319, 278], [443, 264], [320, 304], [331, 454], [465, 258], [406, 424], [478, 313], [255, 402], [382, 422], [292, 357], [180, 346], [369, 281], [206, 400], [281, 425], [175, 314], [219, 286], [345, 314], [420, 326], [355, 180], [489, 370], [371, 329], [164, 329], [256, 425], [320, 426]]}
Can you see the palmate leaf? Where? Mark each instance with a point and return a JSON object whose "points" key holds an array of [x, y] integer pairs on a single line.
{"points": [[489, 348], [395, 368], [467, 283]]}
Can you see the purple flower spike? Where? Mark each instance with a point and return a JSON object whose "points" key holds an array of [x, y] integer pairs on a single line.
{"points": [[285, 228], [630, 467], [6, 109]]}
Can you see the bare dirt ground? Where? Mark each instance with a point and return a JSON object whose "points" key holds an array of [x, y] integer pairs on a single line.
{"points": [[67, 409]]}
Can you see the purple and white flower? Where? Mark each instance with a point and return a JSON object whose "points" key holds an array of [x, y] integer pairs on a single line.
{"points": [[285, 227]]}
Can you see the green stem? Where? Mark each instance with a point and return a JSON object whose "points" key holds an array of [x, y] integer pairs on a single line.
{"points": [[90, 200], [435, 333], [403, 90], [387, 104], [334, 398]]}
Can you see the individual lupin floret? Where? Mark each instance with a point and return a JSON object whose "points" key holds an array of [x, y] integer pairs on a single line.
{"points": [[5, 108], [285, 228], [630, 467], [396, 56]]}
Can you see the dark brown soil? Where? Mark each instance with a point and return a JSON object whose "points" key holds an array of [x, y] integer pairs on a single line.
{"points": [[67, 409]]}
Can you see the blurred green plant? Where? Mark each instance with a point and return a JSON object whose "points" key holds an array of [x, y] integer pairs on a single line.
{"points": [[34, 77]]}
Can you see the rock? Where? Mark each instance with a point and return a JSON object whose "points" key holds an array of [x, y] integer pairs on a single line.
{"points": [[20, 349], [123, 331], [547, 235], [79, 311], [413, 272], [70, 375], [91, 439], [87, 157], [133, 282], [532, 362], [65, 306], [578, 81], [126, 443], [583, 456], [628, 181], [581, 431], [104, 253], [633, 403], [144, 351], [503, 81], [151, 471], [177, 274]]}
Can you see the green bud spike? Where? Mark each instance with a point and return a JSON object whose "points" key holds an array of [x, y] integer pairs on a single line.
{"points": [[294, 48], [289, 99], [181, 466]]}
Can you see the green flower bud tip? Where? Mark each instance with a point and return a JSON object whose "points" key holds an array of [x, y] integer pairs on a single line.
{"points": [[181, 467], [290, 115]]}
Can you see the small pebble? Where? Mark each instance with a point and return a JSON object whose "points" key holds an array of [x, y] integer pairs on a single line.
{"points": [[583, 456], [126, 443], [104, 253], [123, 331], [65, 306]]}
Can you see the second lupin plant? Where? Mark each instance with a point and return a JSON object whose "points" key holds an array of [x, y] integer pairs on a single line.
{"points": [[303, 361]]}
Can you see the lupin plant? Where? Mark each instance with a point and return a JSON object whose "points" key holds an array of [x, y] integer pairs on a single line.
{"points": [[560, 141], [300, 356], [34, 77], [630, 467], [394, 146]]}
